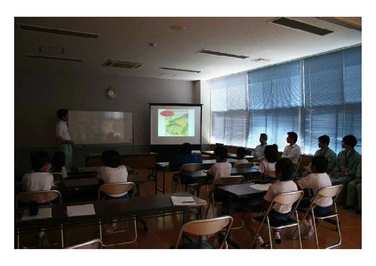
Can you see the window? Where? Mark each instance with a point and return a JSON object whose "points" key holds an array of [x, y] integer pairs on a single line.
{"points": [[314, 96], [229, 109], [275, 101]]}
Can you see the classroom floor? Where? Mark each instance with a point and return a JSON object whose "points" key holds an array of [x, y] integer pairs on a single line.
{"points": [[163, 231]]}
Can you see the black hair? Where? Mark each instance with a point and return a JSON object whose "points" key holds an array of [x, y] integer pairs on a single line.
{"points": [[111, 158], [285, 169], [324, 139], [350, 140], [61, 113], [271, 153], [221, 153], [293, 135], [58, 161], [38, 160], [241, 152], [264, 136], [186, 148], [319, 164]]}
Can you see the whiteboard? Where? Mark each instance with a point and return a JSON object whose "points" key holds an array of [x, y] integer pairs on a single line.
{"points": [[93, 127]]}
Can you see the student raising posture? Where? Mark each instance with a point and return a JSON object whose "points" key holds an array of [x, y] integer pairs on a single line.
{"points": [[267, 165], [292, 151], [325, 151], [241, 153], [259, 150], [221, 168], [112, 171], [40, 179]]}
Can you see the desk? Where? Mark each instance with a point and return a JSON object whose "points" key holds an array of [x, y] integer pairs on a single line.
{"points": [[239, 191], [106, 210]]}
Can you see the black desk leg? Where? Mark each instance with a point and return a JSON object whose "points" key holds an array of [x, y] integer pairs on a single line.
{"points": [[164, 182], [156, 181], [62, 235]]}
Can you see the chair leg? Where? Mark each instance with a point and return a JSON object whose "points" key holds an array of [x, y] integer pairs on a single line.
{"points": [[299, 232], [315, 228], [270, 233], [18, 238], [125, 242], [62, 235], [339, 243]]}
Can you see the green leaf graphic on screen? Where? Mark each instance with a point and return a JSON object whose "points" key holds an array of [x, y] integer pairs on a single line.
{"points": [[177, 125]]}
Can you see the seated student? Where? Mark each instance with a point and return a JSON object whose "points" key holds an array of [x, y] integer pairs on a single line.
{"points": [[259, 150], [353, 191], [284, 170], [40, 179], [325, 151], [267, 165], [112, 171], [348, 161], [58, 164], [241, 153], [221, 168], [185, 156], [292, 151]]}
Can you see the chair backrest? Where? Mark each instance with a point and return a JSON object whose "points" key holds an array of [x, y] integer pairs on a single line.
{"points": [[40, 197], [244, 165], [191, 167], [330, 192], [93, 244], [113, 189], [288, 198], [207, 227], [229, 180]]}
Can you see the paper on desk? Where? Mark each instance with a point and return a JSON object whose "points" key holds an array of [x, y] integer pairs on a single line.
{"points": [[80, 210], [182, 200], [261, 187], [43, 213]]}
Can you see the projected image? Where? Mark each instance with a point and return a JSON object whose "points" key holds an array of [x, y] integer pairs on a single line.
{"points": [[176, 122]]}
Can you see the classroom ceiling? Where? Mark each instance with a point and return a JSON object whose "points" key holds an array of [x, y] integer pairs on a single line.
{"points": [[168, 42]]}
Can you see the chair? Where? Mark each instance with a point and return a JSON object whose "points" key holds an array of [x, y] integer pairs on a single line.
{"points": [[43, 198], [332, 192], [117, 190], [187, 168], [288, 198], [93, 244], [206, 228]]}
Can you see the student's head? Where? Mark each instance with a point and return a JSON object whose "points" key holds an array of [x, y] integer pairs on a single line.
{"points": [[241, 152], [319, 164], [284, 169], [62, 114], [111, 159], [186, 148], [349, 142], [263, 138], [271, 153], [221, 154], [292, 137], [40, 161], [58, 160], [324, 141]]}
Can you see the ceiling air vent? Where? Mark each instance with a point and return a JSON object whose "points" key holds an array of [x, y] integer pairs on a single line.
{"points": [[211, 52], [58, 58], [181, 70], [58, 31], [121, 64], [290, 23]]}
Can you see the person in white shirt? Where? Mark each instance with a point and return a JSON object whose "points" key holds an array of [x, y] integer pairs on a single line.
{"points": [[113, 171], [267, 165], [221, 168], [241, 153], [63, 136], [292, 151], [280, 212], [40, 179], [259, 150], [317, 180]]}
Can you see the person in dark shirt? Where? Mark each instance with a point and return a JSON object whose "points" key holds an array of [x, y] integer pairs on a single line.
{"points": [[185, 156]]}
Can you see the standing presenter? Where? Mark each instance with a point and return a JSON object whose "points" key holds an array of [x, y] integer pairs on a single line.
{"points": [[63, 137]]}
